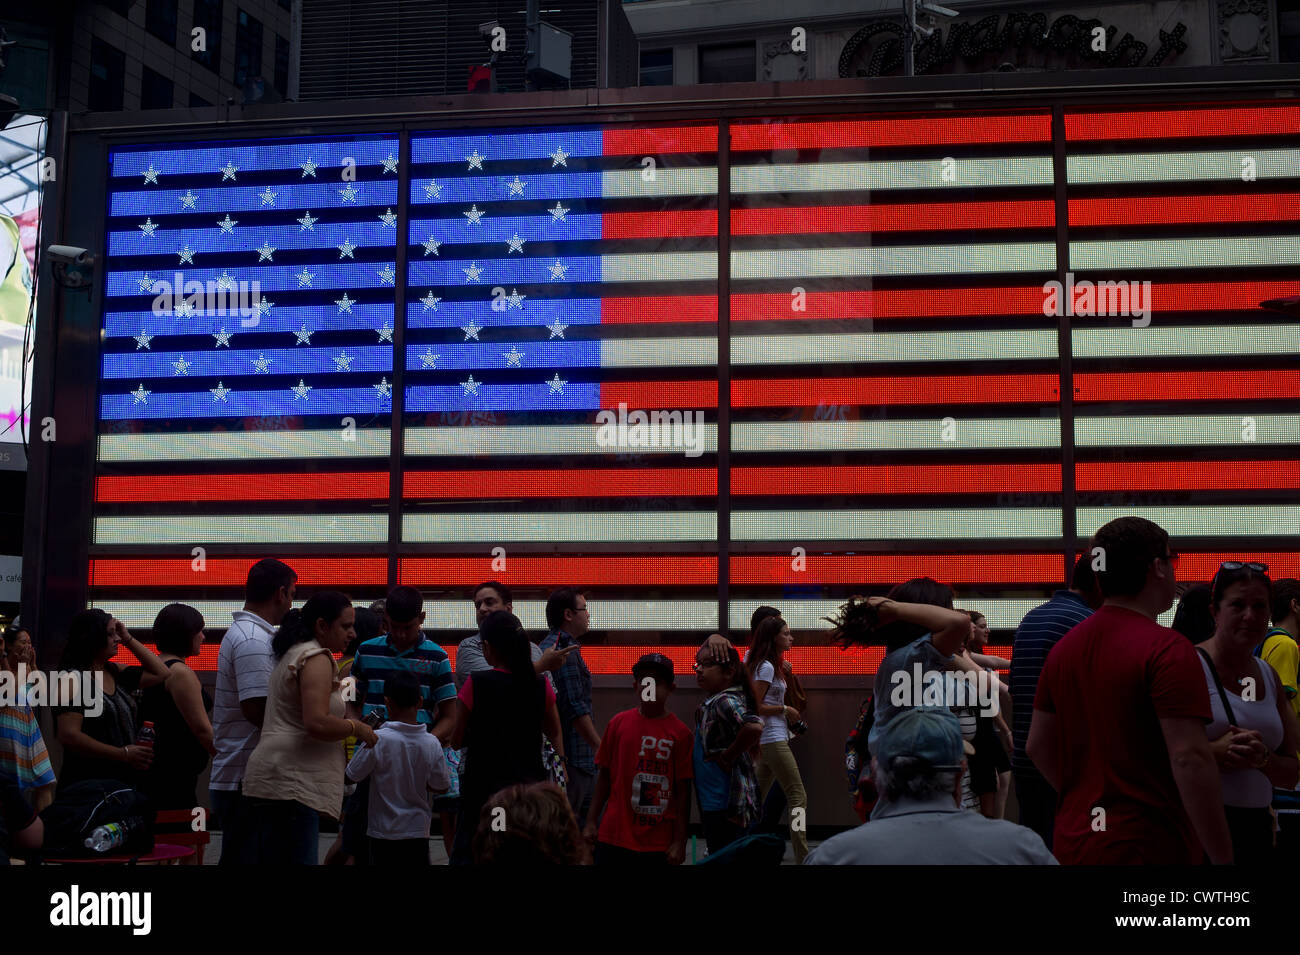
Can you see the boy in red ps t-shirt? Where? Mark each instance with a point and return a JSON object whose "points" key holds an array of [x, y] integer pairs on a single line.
{"points": [[643, 787]]}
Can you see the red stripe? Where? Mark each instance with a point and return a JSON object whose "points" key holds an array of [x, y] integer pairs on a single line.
{"points": [[888, 569], [947, 130], [947, 389], [1177, 123], [233, 571], [1194, 568], [586, 482], [1185, 475], [659, 394], [549, 571], [659, 225], [660, 140], [1187, 210], [920, 216], [1255, 385], [349, 486], [898, 479], [659, 308]]}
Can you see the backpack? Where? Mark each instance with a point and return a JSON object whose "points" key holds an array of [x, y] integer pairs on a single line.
{"points": [[82, 806], [856, 755]]}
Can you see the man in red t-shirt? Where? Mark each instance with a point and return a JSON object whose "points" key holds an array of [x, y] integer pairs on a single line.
{"points": [[1119, 720], [643, 785]]}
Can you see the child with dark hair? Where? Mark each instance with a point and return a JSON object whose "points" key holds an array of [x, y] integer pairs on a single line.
{"points": [[727, 727], [1192, 618], [405, 765]]}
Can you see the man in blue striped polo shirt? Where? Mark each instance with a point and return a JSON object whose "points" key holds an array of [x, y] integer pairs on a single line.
{"points": [[1040, 630], [405, 647]]}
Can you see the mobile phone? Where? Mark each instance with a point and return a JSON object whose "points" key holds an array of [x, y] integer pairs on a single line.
{"points": [[373, 718]]}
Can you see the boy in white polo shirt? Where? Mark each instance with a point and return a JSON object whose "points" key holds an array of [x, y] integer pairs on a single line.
{"points": [[405, 766]]}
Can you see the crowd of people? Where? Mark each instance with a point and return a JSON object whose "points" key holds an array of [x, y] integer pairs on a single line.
{"points": [[1125, 741]]}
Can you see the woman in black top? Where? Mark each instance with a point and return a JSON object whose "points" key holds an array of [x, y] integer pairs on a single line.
{"points": [[178, 708], [500, 717], [103, 746]]}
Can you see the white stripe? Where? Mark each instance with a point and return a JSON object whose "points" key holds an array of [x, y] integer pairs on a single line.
{"points": [[657, 352], [1179, 430], [898, 174], [1122, 257], [894, 260], [632, 526], [895, 435], [268, 529], [830, 348], [664, 182], [1207, 165], [851, 525], [1201, 520], [1002, 614], [659, 267], [244, 445], [1187, 340], [489, 440]]}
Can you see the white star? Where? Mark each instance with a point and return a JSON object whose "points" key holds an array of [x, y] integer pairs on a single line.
{"points": [[227, 225], [303, 336], [151, 175], [390, 164], [514, 244], [264, 306], [515, 299], [557, 385], [146, 283], [222, 337], [431, 245], [429, 359], [345, 304], [142, 340], [261, 365], [267, 197], [471, 331], [346, 249], [265, 252], [384, 388], [304, 278], [558, 270], [307, 221], [140, 395], [472, 272], [300, 390], [432, 190], [385, 333], [186, 254], [308, 169], [187, 200], [558, 213], [148, 226], [387, 275], [471, 386], [475, 161], [343, 361], [512, 357], [220, 392], [225, 280], [558, 158], [228, 171], [430, 301], [185, 309], [516, 187], [557, 329], [350, 193], [389, 219], [182, 366], [473, 216]]}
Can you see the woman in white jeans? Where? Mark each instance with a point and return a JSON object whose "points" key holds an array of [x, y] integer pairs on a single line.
{"points": [[768, 668]]}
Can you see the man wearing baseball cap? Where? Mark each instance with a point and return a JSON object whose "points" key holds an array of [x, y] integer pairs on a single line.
{"points": [[918, 766]]}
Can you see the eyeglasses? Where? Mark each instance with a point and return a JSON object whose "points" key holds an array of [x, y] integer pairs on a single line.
{"points": [[1231, 565], [708, 663]]}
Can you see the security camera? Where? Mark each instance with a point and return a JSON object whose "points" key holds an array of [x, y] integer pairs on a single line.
{"points": [[68, 255]]}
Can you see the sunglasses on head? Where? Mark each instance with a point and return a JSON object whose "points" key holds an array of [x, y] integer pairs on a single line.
{"points": [[1231, 565]]}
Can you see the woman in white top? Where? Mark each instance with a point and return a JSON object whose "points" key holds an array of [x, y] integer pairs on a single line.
{"points": [[1254, 734], [769, 669]]}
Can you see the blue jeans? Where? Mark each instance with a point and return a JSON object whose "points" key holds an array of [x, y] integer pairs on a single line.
{"points": [[231, 810], [285, 832]]}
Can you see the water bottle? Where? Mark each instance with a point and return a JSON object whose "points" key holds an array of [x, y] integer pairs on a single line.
{"points": [[147, 735], [107, 837]]}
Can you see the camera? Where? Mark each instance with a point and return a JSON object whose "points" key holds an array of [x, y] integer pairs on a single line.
{"points": [[798, 727], [68, 255]]}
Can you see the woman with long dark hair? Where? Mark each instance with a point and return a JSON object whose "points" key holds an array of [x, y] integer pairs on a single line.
{"points": [[501, 715], [727, 726], [295, 774], [24, 759]]}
